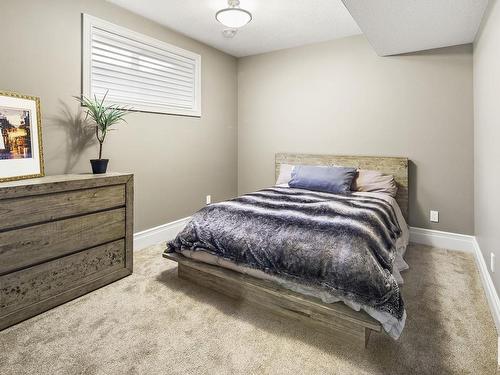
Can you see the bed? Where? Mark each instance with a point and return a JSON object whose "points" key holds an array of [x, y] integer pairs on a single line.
{"points": [[263, 248]]}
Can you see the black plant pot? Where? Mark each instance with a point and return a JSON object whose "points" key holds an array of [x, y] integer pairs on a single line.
{"points": [[99, 166]]}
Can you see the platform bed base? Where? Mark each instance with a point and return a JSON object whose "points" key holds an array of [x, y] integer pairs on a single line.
{"points": [[335, 319]]}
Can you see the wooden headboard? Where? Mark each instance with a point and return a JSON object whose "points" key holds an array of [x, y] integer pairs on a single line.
{"points": [[396, 166]]}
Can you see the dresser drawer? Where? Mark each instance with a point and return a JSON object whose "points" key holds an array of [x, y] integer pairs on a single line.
{"points": [[41, 282], [23, 247], [17, 212]]}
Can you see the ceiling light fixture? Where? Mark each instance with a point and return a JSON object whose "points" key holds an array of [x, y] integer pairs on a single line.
{"points": [[233, 16]]}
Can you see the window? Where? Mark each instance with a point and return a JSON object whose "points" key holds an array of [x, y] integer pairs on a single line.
{"points": [[140, 72]]}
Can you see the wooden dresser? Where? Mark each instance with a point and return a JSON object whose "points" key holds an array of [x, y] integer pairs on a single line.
{"points": [[62, 237]]}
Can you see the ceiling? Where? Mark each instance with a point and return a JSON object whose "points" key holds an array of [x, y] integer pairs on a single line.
{"points": [[277, 24], [391, 26], [400, 26]]}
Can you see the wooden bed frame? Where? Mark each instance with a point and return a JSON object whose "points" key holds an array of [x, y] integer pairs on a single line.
{"points": [[336, 319]]}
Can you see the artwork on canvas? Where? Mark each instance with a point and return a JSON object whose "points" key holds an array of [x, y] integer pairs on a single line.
{"points": [[20, 137], [16, 135]]}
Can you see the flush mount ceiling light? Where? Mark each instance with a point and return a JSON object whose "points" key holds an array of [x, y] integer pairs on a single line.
{"points": [[233, 16]]}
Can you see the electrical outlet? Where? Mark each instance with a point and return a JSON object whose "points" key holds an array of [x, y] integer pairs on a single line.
{"points": [[209, 199], [492, 262], [434, 216]]}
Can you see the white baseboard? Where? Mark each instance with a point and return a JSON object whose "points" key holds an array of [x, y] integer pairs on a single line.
{"points": [[444, 240], [161, 233], [489, 288]]}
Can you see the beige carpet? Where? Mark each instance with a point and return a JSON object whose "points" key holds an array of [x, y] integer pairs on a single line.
{"points": [[153, 323]]}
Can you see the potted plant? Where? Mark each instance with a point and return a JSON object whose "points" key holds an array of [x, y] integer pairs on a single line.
{"points": [[104, 117]]}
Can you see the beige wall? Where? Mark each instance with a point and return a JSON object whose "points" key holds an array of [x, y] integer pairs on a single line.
{"points": [[487, 136], [339, 97], [176, 160], [335, 97]]}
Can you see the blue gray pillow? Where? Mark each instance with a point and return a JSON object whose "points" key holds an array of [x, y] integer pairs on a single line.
{"points": [[336, 180]]}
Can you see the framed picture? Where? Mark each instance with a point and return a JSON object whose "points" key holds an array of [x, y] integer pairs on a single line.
{"points": [[21, 153]]}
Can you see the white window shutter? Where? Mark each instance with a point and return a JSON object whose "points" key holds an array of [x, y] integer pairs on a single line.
{"points": [[139, 72]]}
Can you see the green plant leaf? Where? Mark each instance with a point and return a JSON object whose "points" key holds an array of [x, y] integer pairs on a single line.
{"points": [[102, 115]]}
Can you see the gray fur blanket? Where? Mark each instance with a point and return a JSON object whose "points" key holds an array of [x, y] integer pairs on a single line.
{"points": [[344, 244]]}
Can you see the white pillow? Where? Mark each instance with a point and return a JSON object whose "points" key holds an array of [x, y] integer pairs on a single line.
{"points": [[285, 174]]}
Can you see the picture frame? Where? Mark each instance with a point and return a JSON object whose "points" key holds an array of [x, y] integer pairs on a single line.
{"points": [[21, 151]]}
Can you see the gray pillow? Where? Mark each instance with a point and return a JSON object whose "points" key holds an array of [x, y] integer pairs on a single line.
{"points": [[335, 180], [375, 182]]}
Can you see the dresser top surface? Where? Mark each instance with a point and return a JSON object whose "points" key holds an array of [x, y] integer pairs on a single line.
{"points": [[61, 178], [51, 184]]}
